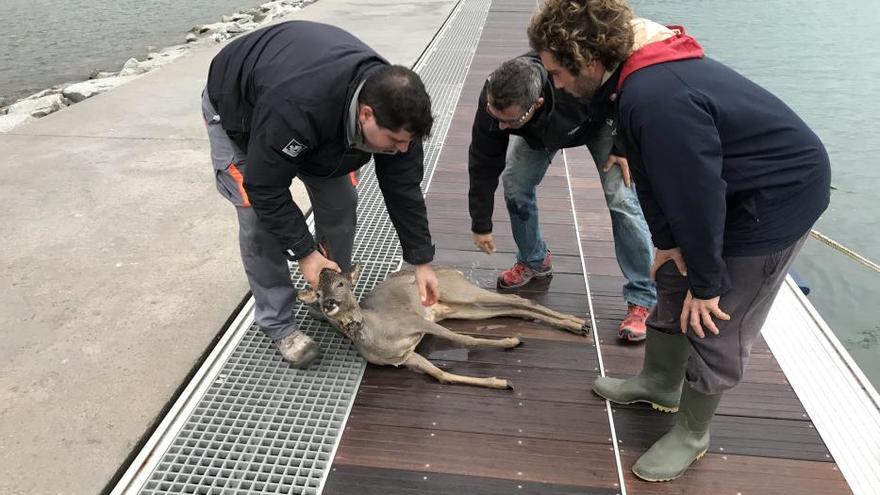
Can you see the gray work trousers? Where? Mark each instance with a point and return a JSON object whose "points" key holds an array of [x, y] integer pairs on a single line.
{"points": [[334, 203], [717, 362]]}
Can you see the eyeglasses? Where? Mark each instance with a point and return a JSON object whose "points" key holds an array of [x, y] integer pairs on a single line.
{"points": [[513, 123]]}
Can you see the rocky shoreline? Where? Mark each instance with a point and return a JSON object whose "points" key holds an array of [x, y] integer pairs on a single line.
{"points": [[57, 97]]}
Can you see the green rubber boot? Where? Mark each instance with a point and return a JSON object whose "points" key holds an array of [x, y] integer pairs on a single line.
{"points": [[686, 442], [659, 382]]}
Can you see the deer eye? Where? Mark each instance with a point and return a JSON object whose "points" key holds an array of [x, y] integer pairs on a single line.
{"points": [[340, 285]]}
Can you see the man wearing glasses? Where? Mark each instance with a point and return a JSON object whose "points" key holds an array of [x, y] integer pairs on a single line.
{"points": [[520, 124]]}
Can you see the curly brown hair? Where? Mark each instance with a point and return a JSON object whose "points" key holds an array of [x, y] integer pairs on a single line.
{"points": [[578, 32]]}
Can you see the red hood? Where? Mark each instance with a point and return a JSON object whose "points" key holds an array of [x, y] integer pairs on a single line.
{"points": [[678, 47]]}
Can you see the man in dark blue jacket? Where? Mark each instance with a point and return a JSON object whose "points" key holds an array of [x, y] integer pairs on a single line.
{"points": [[731, 181], [311, 101]]}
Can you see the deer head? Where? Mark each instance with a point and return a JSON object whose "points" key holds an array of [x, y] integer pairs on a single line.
{"points": [[335, 296]]}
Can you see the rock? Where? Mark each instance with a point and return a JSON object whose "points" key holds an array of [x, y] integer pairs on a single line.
{"points": [[234, 28], [41, 94], [7, 122], [279, 6], [241, 16], [238, 16], [86, 89], [39, 106], [100, 74], [219, 37], [259, 17], [217, 27], [167, 54], [282, 8], [191, 38], [133, 67], [155, 59]]}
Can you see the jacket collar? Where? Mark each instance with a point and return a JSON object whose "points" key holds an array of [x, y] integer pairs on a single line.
{"points": [[655, 44]]}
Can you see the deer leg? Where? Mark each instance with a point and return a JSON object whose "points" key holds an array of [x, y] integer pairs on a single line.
{"points": [[418, 363], [529, 305], [476, 297], [467, 340], [470, 312]]}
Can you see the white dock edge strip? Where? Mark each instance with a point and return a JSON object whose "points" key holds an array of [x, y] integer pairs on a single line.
{"points": [[842, 404]]}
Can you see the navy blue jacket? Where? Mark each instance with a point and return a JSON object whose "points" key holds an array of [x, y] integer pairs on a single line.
{"points": [[722, 167], [283, 95]]}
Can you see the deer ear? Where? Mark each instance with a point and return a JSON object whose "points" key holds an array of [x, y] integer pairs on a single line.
{"points": [[307, 296], [353, 273], [326, 274]]}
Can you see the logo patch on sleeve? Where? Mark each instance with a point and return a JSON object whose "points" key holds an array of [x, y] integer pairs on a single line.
{"points": [[293, 148]]}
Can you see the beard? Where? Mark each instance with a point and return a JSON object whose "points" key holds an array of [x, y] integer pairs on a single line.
{"points": [[586, 87]]}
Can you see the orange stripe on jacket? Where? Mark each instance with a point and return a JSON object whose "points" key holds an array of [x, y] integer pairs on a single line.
{"points": [[239, 180]]}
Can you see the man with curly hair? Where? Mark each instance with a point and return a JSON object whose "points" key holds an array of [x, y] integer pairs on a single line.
{"points": [[520, 123], [730, 179]]}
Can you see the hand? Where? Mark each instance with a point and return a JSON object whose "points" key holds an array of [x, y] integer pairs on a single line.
{"points": [[311, 267], [429, 288], [696, 311], [661, 256], [624, 168], [485, 242]]}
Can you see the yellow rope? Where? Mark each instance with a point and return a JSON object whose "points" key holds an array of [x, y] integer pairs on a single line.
{"points": [[845, 250]]}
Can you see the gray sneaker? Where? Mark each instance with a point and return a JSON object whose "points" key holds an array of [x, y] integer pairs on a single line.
{"points": [[298, 349]]}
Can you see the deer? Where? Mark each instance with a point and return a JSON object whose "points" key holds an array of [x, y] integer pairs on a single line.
{"points": [[389, 322]]}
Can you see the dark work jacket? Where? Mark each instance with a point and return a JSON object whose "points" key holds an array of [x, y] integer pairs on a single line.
{"points": [[722, 167], [562, 122], [283, 94]]}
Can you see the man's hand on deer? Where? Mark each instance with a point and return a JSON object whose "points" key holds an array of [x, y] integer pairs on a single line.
{"points": [[429, 288], [485, 242], [311, 267]]}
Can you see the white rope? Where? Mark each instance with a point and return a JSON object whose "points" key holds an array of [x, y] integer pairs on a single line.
{"points": [[845, 250]]}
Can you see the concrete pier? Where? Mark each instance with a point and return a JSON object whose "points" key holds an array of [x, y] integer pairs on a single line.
{"points": [[121, 264]]}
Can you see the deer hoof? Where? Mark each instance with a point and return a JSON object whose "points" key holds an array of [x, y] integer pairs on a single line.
{"points": [[585, 329], [514, 342], [509, 385]]}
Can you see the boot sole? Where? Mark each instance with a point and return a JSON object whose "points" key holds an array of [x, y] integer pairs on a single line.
{"points": [[659, 407], [679, 475], [631, 336]]}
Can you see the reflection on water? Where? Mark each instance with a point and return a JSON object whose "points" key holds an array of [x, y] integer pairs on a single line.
{"points": [[865, 339]]}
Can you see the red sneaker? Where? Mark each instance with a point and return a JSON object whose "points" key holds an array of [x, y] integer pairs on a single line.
{"points": [[633, 328], [521, 273]]}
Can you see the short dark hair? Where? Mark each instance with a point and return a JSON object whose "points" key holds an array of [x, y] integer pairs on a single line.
{"points": [[399, 100], [515, 82]]}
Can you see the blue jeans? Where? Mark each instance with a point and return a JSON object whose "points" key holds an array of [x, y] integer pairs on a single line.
{"points": [[632, 240]]}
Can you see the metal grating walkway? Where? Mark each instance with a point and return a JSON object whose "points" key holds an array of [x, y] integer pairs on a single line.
{"points": [[248, 423]]}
